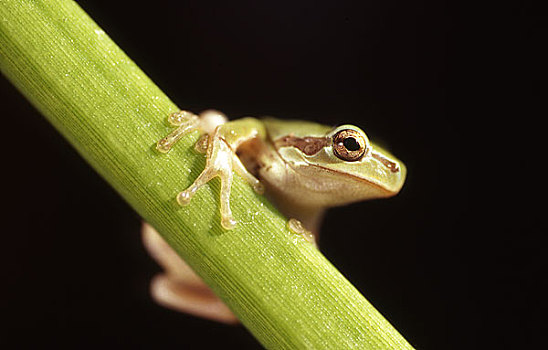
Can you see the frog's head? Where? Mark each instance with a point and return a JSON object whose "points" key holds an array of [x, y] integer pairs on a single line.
{"points": [[351, 154], [343, 166]]}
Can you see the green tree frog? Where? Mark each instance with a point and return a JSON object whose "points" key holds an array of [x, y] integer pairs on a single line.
{"points": [[303, 167]]}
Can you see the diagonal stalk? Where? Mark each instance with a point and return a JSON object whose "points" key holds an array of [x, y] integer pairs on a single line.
{"points": [[281, 288]]}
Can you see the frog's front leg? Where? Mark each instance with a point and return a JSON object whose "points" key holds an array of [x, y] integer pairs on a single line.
{"points": [[219, 163], [223, 141]]}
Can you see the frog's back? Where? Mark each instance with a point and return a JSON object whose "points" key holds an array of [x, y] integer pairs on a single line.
{"points": [[278, 128]]}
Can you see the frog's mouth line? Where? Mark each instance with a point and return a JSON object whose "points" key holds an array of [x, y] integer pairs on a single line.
{"points": [[389, 192]]}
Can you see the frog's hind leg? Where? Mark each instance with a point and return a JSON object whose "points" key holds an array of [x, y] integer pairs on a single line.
{"points": [[179, 288]]}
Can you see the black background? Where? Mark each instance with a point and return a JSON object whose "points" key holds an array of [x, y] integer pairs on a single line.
{"points": [[444, 269]]}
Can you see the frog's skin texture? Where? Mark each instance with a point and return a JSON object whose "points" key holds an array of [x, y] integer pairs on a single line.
{"points": [[303, 167]]}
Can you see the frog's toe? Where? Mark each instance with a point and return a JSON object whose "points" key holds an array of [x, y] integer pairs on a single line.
{"points": [[258, 187], [228, 222], [181, 117], [201, 144], [297, 227], [164, 145], [184, 198]]}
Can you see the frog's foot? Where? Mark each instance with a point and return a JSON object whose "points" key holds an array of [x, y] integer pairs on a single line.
{"points": [[221, 160], [179, 288], [219, 163], [221, 156]]}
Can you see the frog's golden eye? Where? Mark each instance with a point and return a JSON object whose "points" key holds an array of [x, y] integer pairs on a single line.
{"points": [[349, 145]]}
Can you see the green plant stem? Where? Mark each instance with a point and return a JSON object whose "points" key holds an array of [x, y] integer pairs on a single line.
{"points": [[281, 288]]}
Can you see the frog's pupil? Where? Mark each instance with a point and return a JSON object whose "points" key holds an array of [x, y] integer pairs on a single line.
{"points": [[351, 144]]}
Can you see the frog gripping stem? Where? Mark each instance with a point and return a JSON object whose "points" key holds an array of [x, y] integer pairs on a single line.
{"points": [[221, 159], [218, 152]]}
